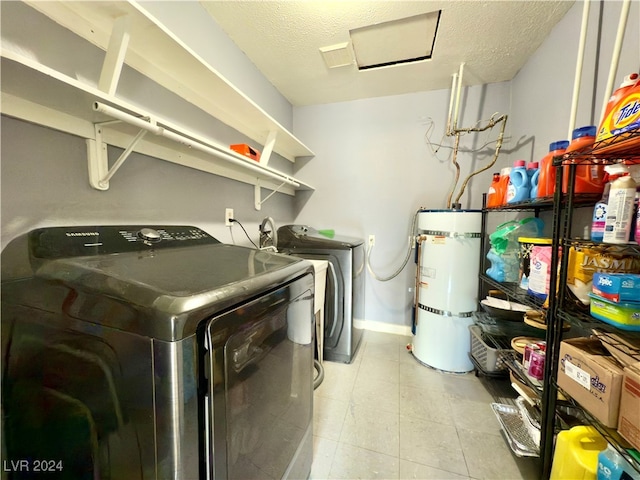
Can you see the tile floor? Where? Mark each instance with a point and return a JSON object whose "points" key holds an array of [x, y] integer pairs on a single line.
{"points": [[387, 416]]}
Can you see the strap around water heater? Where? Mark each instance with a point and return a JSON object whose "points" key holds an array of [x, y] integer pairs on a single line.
{"points": [[439, 233], [445, 313]]}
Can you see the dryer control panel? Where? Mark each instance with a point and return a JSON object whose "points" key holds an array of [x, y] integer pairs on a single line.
{"points": [[61, 242]]}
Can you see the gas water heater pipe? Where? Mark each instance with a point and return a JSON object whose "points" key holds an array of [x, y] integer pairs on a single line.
{"points": [[454, 79], [455, 119], [454, 160], [452, 130], [492, 123], [578, 74], [622, 25], [457, 84]]}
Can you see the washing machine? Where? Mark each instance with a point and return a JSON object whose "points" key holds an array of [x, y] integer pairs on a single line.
{"points": [[344, 297], [154, 352]]}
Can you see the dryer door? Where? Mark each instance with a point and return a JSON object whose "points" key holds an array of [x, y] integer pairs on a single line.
{"points": [[261, 376]]}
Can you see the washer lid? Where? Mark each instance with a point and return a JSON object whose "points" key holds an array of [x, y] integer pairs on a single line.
{"points": [[166, 279]]}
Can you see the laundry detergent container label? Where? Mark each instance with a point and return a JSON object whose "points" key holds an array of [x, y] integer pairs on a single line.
{"points": [[622, 119], [617, 287]]}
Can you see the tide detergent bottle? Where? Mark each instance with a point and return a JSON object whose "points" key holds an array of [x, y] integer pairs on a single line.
{"points": [[620, 118], [518, 189], [547, 175]]}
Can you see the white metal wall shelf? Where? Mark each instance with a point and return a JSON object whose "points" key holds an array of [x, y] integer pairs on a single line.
{"points": [[37, 93]]}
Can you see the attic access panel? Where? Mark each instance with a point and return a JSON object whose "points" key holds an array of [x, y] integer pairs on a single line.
{"points": [[405, 40]]}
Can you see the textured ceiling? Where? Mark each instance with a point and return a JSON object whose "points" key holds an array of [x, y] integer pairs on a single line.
{"points": [[282, 38]]}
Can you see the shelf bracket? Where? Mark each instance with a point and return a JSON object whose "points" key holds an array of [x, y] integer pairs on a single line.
{"points": [[257, 193], [99, 171], [114, 57], [268, 148]]}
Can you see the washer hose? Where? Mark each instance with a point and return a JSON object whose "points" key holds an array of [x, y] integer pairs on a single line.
{"points": [[317, 380]]}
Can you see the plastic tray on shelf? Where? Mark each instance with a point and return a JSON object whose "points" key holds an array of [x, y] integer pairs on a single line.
{"points": [[489, 352], [480, 370]]}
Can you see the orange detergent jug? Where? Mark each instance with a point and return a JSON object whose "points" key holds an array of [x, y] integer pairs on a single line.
{"points": [[493, 196], [547, 175], [503, 185], [620, 127], [590, 176]]}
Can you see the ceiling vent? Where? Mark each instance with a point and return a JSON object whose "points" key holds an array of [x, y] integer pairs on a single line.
{"points": [[395, 42], [338, 55]]}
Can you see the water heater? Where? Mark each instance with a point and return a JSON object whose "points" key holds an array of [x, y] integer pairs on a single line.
{"points": [[447, 287]]}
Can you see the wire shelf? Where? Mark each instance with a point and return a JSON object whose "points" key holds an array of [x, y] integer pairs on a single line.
{"points": [[513, 291], [592, 156], [545, 203], [587, 323], [617, 249]]}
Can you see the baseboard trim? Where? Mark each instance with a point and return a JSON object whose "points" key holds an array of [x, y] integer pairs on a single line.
{"points": [[383, 327]]}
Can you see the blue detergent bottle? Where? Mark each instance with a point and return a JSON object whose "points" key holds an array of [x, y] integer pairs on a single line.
{"points": [[613, 466], [518, 189], [496, 270], [533, 172]]}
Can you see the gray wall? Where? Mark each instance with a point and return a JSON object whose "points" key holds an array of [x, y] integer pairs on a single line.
{"points": [[374, 168], [44, 172]]}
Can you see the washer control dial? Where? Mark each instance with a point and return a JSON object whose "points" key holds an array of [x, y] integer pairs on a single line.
{"points": [[149, 234]]}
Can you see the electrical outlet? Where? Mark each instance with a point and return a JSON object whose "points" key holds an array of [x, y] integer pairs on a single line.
{"points": [[228, 215], [372, 240]]}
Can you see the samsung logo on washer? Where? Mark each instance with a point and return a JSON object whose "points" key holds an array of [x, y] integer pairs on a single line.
{"points": [[82, 234]]}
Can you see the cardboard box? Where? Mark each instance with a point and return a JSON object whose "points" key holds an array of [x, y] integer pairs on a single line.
{"points": [[629, 421], [593, 378]]}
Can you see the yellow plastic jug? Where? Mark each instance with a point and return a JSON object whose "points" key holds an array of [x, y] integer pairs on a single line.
{"points": [[576, 455]]}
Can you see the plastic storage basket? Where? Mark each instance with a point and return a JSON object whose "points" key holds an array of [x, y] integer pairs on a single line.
{"points": [[488, 354]]}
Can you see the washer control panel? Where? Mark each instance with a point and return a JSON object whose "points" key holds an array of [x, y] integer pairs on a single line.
{"points": [[60, 242]]}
